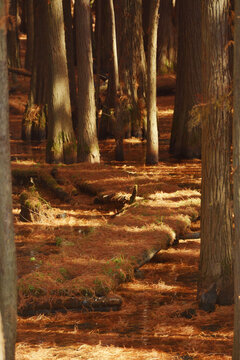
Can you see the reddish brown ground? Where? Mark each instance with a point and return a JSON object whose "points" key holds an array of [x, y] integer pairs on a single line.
{"points": [[159, 318]]}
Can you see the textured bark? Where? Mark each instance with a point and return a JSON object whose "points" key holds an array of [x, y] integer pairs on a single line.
{"points": [[8, 287], [61, 145], [35, 117], [236, 181], [186, 126], [167, 44], [88, 149], [30, 35], [216, 213], [68, 24], [152, 129]]}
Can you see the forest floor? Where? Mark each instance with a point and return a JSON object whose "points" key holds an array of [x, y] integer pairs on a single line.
{"points": [[77, 249]]}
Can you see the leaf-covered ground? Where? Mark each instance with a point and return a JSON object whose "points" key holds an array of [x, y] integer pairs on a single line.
{"points": [[80, 248]]}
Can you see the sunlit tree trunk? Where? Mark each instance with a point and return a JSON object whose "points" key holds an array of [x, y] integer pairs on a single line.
{"points": [[8, 286], [88, 149], [152, 129], [216, 214], [186, 126], [236, 181], [61, 144]]}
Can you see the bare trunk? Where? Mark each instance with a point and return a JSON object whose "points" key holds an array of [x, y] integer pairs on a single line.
{"points": [[152, 129], [216, 214], [30, 35], [8, 287], [88, 149], [186, 127], [236, 181], [61, 145]]}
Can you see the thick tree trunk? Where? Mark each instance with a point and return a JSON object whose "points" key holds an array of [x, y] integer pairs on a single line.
{"points": [[68, 23], [236, 181], [61, 144], [30, 35], [8, 287], [152, 129], [166, 59], [216, 214], [88, 149], [186, 127]]}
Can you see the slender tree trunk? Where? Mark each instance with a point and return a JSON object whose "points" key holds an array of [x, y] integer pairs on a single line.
{"points": [[68, 23], [8, 288], [152, 129], [61, 144], [35, 117], [12, 36], [88, 149], [30, 35], [166, 59], [236, 181], [216, 273], [186, 126]]}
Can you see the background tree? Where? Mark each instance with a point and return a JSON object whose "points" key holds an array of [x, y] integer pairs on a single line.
{"points": [[61, 144], [186, 126], [88, 149], [8, 288], [216, 273], [167, 38], [152, 129], [236, 181], [12, 35], [35, 117], [30, 34]]}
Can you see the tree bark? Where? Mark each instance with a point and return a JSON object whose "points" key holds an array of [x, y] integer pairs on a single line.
{"points": [[152, 129], [88, 149], [216, 213], [186, 126], [12, 36], [30, 35], [8, 287], [167, 50], [61, 144], [68, 23], [236, 181]]}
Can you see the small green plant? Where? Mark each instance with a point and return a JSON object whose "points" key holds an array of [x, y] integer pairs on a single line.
{"points": [[59, 240]]}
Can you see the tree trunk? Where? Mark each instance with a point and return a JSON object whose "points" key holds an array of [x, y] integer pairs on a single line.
{"points": [[30, 35], [8, 286], [236, 181], [166, 59], [152, 129], [35, 117], [61, 144], [216, 215], [12, 36], [68, 23], [186, 126], [88, 149]]}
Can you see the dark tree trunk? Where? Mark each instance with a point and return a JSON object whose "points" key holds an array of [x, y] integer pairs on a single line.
{"points": [[68, 22], [166, 59], [236, 181], [88, 149], [35, 117], [8, 286], [30, 35], [61, 144], [12, 36], [216, 214], [186, 127], [152, 129]]}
